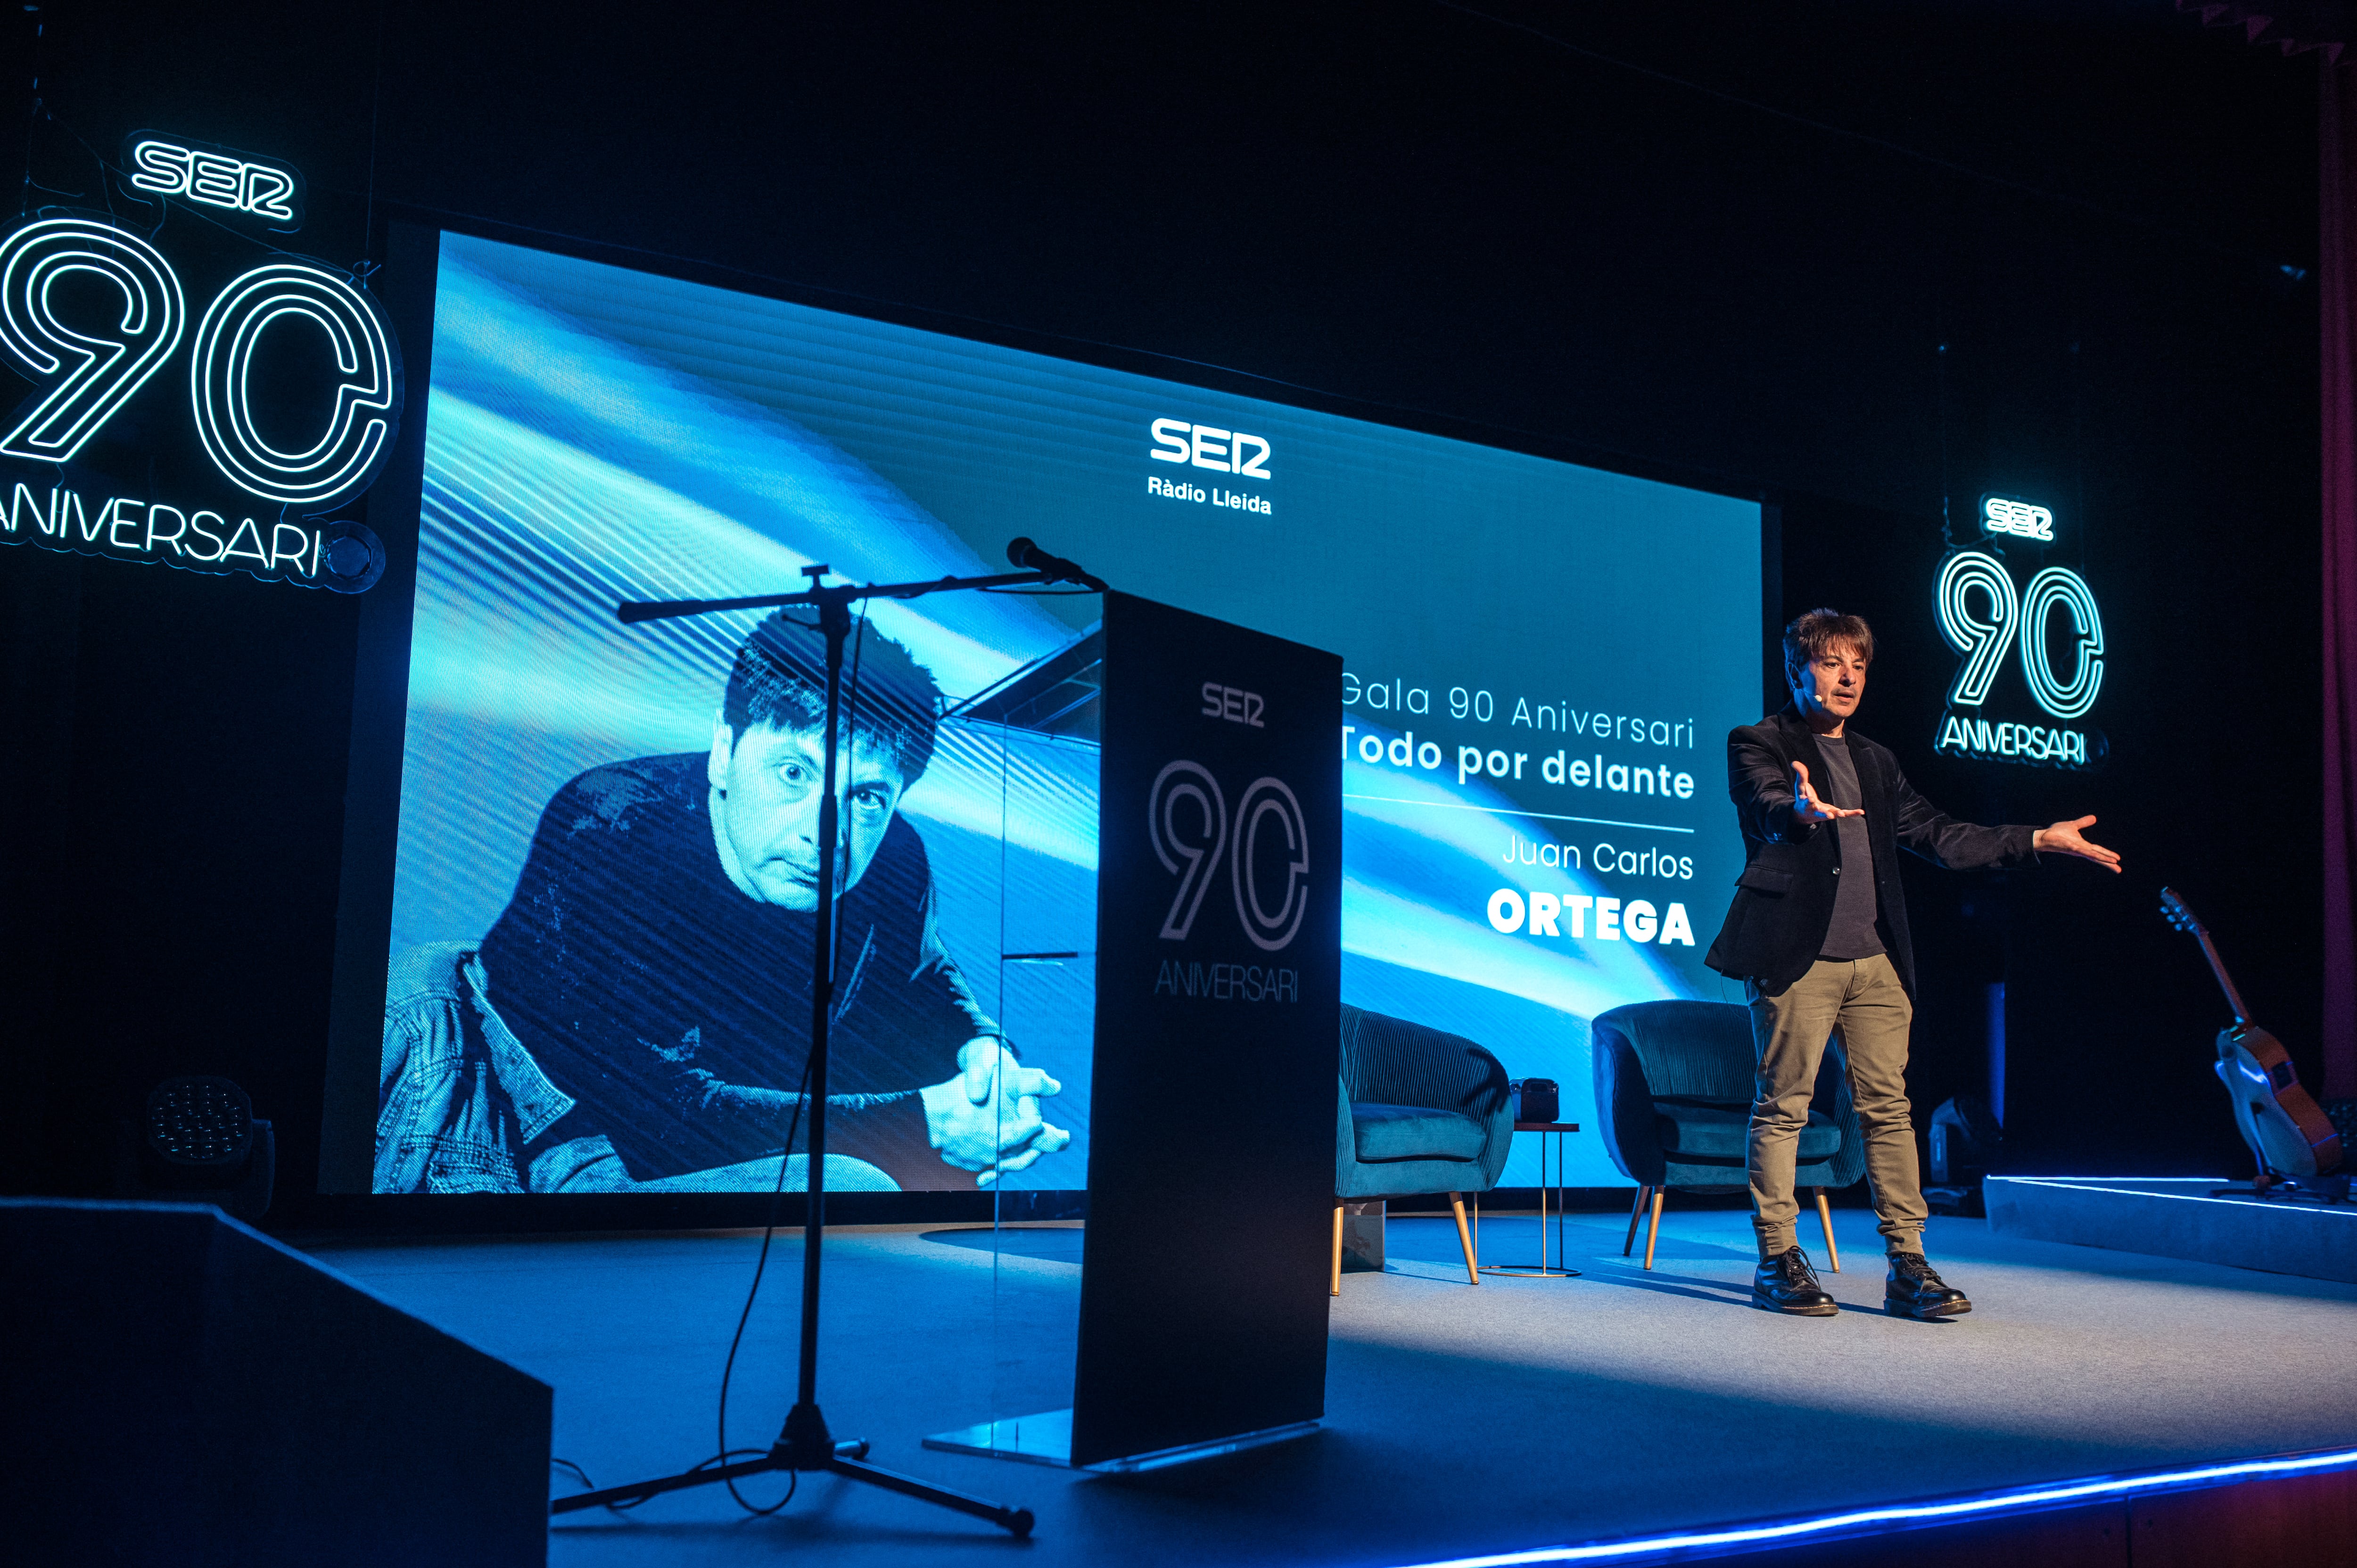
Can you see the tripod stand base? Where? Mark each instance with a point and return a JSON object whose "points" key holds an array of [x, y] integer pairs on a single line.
{"points": [[1046, 1439], [845, 1461]]}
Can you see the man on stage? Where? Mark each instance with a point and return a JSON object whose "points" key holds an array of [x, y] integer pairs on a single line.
{"points": [[1818, 934]]}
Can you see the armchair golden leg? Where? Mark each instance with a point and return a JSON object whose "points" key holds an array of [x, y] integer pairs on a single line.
{"points": [[1653, 1232], [1465, 1239], [1337, 1248], [1636, 1212], [1825, 1219]]}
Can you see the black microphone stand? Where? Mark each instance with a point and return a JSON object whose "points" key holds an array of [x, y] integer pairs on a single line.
{"points": [[805, 1443]]}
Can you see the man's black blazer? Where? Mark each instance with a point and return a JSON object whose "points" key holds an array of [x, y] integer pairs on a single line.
{"points": [[1784, 900]]}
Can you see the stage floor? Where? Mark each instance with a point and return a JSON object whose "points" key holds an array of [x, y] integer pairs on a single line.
{"points": [[1525, 1413]]}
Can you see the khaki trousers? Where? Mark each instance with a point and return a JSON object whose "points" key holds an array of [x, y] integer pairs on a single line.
{"points": [[1863, 1003]]}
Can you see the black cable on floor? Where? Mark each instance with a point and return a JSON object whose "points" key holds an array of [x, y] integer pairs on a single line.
{"points": [[555, 1464], [769, 1230]]}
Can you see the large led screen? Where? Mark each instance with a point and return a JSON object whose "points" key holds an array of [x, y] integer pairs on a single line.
{"points": [[600, 953]]}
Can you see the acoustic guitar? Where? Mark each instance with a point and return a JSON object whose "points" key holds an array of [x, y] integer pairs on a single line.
{"points": [[2287, 1131]]}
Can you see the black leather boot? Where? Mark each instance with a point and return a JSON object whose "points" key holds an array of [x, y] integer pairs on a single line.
{"points": [[1785, 1282], [1913, 1290]]}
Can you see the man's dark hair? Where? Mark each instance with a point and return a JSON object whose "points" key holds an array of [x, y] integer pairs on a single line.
{"points": [[779, 680], [1810, 635]]}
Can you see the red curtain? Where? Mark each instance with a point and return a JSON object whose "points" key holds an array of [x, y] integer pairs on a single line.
{"points": [[2337, 277]]}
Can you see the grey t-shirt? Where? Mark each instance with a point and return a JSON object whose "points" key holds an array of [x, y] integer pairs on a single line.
{"points": [[1851, 935]]}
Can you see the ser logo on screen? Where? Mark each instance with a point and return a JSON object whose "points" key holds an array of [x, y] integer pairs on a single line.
{"points": [[1209, 446]]}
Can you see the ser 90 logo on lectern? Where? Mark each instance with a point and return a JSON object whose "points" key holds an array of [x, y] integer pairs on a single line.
{"points": [[1191, 829]]}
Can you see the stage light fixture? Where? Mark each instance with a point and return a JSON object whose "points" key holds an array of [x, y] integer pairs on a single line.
{"points": [[199, 1142], [200, 1131]]}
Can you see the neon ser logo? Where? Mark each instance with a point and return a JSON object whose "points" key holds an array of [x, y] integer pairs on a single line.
{"points": [[216, 177], [2018, 519], [1208, 446]]}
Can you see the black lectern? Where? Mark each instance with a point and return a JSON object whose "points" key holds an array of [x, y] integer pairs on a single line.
{"points": [[1218, 946]]}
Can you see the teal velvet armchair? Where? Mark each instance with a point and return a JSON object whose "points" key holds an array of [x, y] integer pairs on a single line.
{"points": [[1420, 1110], [1674, 1083]]}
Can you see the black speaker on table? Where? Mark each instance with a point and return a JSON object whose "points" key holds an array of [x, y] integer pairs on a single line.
{"points": [[1536, 1100]]}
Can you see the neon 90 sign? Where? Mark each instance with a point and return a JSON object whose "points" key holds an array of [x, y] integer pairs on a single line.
{"points": [[1984, 642], [92, 375], [363, 404], [1985, 620]]}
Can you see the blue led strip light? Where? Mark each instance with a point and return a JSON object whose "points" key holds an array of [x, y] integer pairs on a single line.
{"points": [[2123, 1186], [1861, 1522]]}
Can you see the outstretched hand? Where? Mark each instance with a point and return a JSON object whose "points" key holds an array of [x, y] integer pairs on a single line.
{"points": [[1807, 808], [2063, 838]]}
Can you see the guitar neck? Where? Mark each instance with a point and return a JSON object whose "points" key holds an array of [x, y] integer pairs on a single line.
{"points": [[2226, 980]]}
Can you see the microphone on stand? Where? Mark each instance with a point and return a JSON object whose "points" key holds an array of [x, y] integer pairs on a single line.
{"points": [[1021, 552]]}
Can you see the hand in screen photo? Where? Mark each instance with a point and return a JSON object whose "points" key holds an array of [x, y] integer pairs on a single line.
{"points": [[988, 1118]]}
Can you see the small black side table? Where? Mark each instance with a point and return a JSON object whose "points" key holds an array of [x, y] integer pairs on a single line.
{"points": [[1540, 1270]]}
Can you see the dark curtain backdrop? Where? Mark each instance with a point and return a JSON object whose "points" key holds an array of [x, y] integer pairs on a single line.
{"points": [[2337, 214], [1846, 256]]}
